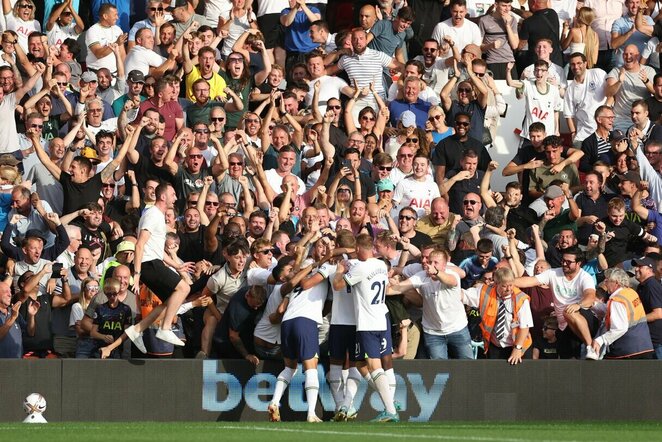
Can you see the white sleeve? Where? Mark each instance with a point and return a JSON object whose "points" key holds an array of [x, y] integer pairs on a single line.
{"points": [[524, 315], [618, 324], [418, 279], [544, 277], [471, 296]]}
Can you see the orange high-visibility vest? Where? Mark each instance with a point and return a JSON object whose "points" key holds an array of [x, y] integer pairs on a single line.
{"points": [[637, 339], [488, 307]]}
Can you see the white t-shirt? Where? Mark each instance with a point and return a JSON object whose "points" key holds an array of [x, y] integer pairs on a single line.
{"points": [[264, 329], [22, 28], [650, 53], [428, 95], [342, 308], [308, 303], [541, 107], [239, 26], [565, 291], [153, 220], [329, 88], [103, 36], [462, 36], [368, 280], [555, 72], [443, 311], [276, 180], [140, 58], [581, 101], [76, 314], [417, 194], [270, 6], [310, 162], [8, 134], [58, 34]]}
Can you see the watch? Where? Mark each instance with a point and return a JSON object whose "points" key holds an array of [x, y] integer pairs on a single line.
{"points": [[519, 347]]}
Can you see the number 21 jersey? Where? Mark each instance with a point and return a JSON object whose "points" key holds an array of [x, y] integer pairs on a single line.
{"points": [[368, 280]]}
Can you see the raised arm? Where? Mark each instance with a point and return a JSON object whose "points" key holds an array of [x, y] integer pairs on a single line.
{"points": [[485, 192]]}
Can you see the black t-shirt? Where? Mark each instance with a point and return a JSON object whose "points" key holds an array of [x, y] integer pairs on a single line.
{"points": [[96, 238], [115, 210], [191, 245], [418, 240], [448, 152], [461, 188], [650, 292], [589, 207], [146, 169], [187, 183], [367, 185], [654, 108], [623, 240], [521, 218], [547, 350], [542, 24], [240, 317], [76, 195], [43, 335]]}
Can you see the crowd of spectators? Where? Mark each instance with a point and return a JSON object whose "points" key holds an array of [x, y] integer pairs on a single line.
{"points": [[278, 134]]}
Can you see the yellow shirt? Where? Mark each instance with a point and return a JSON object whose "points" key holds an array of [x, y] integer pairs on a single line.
{"points": [[216, 84], [439, 234]]}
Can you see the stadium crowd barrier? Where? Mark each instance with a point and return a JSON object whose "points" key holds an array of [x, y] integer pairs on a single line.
{"points": [[195, 390]]}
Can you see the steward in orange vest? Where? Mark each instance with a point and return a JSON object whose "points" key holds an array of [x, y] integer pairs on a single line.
{"points": [[637, 340], [488, 307]]}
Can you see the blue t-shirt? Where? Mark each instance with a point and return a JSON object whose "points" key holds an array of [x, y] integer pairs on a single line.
{"points": [[474, 270], [297, 37]]}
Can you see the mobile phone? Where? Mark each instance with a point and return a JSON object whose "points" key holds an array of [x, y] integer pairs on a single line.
{"points": [[57, 269]]}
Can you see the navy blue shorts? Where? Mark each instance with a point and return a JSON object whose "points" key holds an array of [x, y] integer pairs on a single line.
{"points": [[372, 344], [342, 340], [299, 339]]}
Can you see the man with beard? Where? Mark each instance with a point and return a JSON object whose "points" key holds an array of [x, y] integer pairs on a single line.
{"points": [[365, 66], [257, 223], [191, 176], [467, 178], [154, 165], [574, 295], [448, 153], [203, 70], [164, 101], [135, 83], [191, 246], [584, 95], [200, 110]]}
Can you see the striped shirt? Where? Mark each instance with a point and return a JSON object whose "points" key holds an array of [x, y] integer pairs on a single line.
{"points": [[366, 68]]}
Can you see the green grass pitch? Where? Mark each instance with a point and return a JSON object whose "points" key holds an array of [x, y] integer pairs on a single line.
{"points": [[328, 431]]}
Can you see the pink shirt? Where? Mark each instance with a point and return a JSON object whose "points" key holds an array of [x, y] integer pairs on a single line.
{"points": [[606, 12]]}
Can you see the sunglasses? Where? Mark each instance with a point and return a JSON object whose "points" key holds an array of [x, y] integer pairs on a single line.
{"points": [[412, 140], [201, 131], [343, 190], [386, 168], [26, 5], [408, 218], [335, 107], [566, 261], [234, 60], [250, 121], [236, 163], [266, 252], [406, 155], [219, 119], [368, 118], [92, 288], [467, 202], [108, 185], [435, 117], [193, 202], [156, 9], [211, 203], [429, 49], [62, 83], [462, 123], [37, 126], [480, 74], [465, 90], [195, 156]]}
